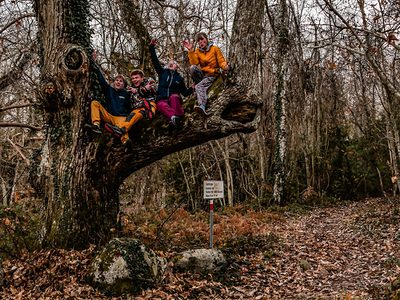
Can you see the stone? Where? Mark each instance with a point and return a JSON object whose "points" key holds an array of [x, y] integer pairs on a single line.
{"points": [[126, 266], [200, 260]]}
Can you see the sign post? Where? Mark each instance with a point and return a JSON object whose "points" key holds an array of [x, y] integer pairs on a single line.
{"points": [[213, 189], [211, 222]]}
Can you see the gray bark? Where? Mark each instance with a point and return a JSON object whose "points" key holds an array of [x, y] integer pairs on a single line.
{"points": [[282, 65]]}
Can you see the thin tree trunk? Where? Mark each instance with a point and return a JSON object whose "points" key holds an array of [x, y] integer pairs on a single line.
{"points": [[188, 190], [262, 166], [282, 75], [228, 170]]}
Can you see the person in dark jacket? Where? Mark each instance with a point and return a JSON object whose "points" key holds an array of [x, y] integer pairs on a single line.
{"points": [[117, 107], [171, 86]]}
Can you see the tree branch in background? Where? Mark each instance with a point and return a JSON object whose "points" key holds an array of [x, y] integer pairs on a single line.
{"points": [[9, 78], [133, 20], [19, 151], [6, 124], [366, 46], [16, 21], [15, 106]]}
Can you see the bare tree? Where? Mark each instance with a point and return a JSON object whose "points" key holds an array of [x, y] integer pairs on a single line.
{"points": [[78, 177]]}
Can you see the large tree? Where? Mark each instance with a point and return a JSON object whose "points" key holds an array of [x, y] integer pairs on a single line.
{"points": [[77, 175]]}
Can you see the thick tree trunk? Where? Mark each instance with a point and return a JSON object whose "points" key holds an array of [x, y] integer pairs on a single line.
{"points": [[78, 175], [245, 54], [79, 194]]}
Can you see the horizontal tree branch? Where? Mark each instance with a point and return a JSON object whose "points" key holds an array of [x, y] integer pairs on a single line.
{"points": [[14, 106], [6, 124]]}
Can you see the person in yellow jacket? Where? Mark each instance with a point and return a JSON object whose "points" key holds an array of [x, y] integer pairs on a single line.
{"points": [[206, 62]]}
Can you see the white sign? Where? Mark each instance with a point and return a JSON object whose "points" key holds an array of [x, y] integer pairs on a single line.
{"points": [[213, 189]]}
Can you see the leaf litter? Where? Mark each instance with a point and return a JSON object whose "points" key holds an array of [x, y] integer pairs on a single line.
{"points": [[351, 251]]}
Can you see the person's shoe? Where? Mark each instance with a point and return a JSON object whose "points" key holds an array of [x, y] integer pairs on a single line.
{"points": [[128, 145], [174, 120], [201, 110], [95, 128], [179, 122], [115, 130]]}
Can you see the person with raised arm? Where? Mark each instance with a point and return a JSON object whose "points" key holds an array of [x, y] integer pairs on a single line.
{"points": [[171, 88], [206, 61]]}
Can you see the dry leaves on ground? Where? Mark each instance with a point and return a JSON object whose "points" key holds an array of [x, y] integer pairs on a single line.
{"points": [[350, 251]]}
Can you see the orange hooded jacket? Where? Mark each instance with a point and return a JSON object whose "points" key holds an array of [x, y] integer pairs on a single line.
{"points": [[210, 60]]}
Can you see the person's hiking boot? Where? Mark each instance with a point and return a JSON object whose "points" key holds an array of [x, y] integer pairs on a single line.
{"points": [[173, 120], [128, 145], [176, 122], [201, 110], [179, 122], [115, 130], [95, 128]]}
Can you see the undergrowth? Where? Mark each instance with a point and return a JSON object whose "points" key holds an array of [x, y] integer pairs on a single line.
{"points": [[18, 231], [237, 230]]}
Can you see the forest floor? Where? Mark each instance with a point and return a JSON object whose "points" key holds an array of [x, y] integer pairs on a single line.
{"points": [[345, 251]]}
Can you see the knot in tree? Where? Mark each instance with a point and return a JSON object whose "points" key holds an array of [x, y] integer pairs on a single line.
{"points": [[74, 59]]}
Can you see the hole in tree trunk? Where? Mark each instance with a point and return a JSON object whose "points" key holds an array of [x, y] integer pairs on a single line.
{"points": [[73, 59], [240, 112]]}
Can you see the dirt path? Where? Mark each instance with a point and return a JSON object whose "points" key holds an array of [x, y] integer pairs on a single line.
{"points": [[351, 250]]}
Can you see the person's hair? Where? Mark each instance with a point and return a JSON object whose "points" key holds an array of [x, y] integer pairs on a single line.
{"points": [[201, 35], [123, 78], [175, 62], [137, 72]]}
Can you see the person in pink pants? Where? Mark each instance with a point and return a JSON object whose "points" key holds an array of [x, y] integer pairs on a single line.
{"points": [[171, 88]]}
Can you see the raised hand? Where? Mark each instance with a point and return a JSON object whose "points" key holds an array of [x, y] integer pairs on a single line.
{"points": [[132, 90], [148, 86], [187, 44], [94, 55]]}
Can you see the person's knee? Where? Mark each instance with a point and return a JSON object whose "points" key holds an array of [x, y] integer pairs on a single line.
{"points": [[202, 84], [174, 97], [95, 103], [194, 68], [162, 104]]}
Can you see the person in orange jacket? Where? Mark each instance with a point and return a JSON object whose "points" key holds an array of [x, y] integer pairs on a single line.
{"points": [[206, 62]]}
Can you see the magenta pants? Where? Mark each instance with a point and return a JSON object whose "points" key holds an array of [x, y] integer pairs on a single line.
{"points": [[170, 107]]}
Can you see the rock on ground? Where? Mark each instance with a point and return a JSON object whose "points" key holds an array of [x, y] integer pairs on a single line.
{"points": [[126, 266], [200, 260]]}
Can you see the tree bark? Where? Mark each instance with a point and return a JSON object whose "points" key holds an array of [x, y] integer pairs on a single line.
{"points": [[78, 175], [79, 193], [245, 51], [282, 77]]}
